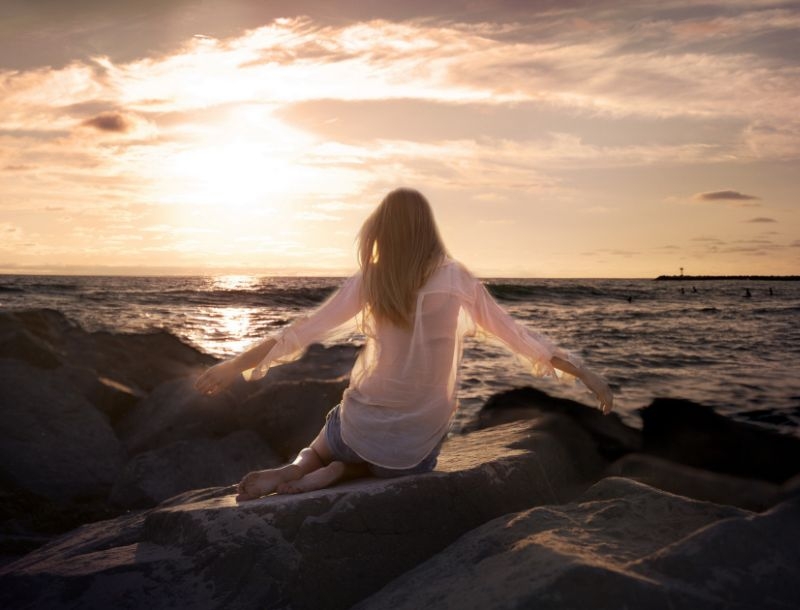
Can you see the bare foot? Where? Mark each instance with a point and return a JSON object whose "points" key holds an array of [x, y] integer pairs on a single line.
{"points": [[318, 479], [263, 482]]}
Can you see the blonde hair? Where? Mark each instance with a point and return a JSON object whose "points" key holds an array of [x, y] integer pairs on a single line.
{"points": [[399, 247]]}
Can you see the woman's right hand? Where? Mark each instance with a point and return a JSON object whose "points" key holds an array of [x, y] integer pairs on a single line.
{"points": [[217, 378]]}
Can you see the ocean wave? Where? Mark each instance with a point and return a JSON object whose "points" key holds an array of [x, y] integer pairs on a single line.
{"points": [[295, 297], [53, 287], [536, 292]]}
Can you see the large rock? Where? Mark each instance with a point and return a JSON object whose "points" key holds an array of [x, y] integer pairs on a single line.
{"points": [[622, 545], [612, 437], [695, 483], [318, 362], [35, 337], [328, 548], [142, 361], [46, 338], [289, 414], [156, 475], [175, 411], [114, 399], [693, 434], [52, 441]]}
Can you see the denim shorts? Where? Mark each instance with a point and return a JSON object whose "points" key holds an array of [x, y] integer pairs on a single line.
{"points": [[342, 453]]}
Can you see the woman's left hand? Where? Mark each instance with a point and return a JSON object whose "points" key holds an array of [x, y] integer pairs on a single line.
{"points": [[601, 389]]}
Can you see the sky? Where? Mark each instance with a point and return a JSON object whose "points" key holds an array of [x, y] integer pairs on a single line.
{"points": [[552, 138]]}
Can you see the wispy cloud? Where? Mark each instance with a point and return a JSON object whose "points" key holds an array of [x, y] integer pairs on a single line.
{"points": [[724, 196], [762, 219], [114, 122]]}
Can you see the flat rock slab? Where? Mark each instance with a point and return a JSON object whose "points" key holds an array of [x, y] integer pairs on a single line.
{"points": [[621, 545], [329, 548]]}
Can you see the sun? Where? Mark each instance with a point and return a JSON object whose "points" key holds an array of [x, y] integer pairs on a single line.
{"points": [[243, 157], [245, 186], [230, 174]]}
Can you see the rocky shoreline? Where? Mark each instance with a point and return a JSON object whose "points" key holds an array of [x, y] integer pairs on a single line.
{"points": [[116, 491]]}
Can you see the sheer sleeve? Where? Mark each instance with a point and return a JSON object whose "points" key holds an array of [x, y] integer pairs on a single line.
{"points": [[535, 347], [290, 343]]}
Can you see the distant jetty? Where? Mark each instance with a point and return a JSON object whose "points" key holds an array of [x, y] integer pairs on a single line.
{"points": [[701, 278]]}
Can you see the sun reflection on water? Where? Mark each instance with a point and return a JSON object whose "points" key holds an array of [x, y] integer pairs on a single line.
{"points": [[234, 326], [234, 282], [225, 330]]}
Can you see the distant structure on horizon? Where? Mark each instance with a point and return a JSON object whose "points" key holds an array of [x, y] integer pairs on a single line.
{"points": [[699, 278]]}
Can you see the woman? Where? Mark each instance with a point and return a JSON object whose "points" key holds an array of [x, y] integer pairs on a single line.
{"points": [[414, 304]]}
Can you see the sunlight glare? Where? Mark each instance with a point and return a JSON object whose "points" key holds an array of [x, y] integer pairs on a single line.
{"points": [[235, 282]]}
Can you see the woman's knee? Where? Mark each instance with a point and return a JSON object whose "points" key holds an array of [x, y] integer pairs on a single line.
{"points": [[321, 448], [307, 458]]}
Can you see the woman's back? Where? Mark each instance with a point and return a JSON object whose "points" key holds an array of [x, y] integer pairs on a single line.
{"points": [[405, 367], [403, 387]]}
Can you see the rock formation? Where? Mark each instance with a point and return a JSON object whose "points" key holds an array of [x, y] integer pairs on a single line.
{"points": [[99, 432], [620, 545], [328, 548]]}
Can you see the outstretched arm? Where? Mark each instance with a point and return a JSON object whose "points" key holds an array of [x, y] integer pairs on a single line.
{"points": [[221, 375], [537, 348], [337, 310]]}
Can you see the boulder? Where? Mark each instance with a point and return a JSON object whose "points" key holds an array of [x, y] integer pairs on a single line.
{"points": [[176, 411], [154, 476], [33, 337], [52, 441], [142, 361], [289, 414], [45, 338], [613, 438], [112, 398], [621, 545], [696, 483], [693, 434], [15, 343], [791, 488], [318, 362], [328, 548], [29, 520]]}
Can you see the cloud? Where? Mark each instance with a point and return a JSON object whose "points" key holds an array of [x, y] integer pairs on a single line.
{"points": [[710, 240], [612, 252], [724, 196], [114, 122], [11, 237], [515, 116], [761, 219]]}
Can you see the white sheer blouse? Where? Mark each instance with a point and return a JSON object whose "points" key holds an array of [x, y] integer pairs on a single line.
{"points": [[403, 387]]}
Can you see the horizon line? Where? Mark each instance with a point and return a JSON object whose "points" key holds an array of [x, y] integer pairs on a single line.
{"points": [[177, 271]]}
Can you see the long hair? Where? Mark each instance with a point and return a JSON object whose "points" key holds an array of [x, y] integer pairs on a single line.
{"points": [[399, 247]]}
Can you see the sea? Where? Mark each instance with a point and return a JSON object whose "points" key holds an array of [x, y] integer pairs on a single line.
{"points": [[706, 341]]}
